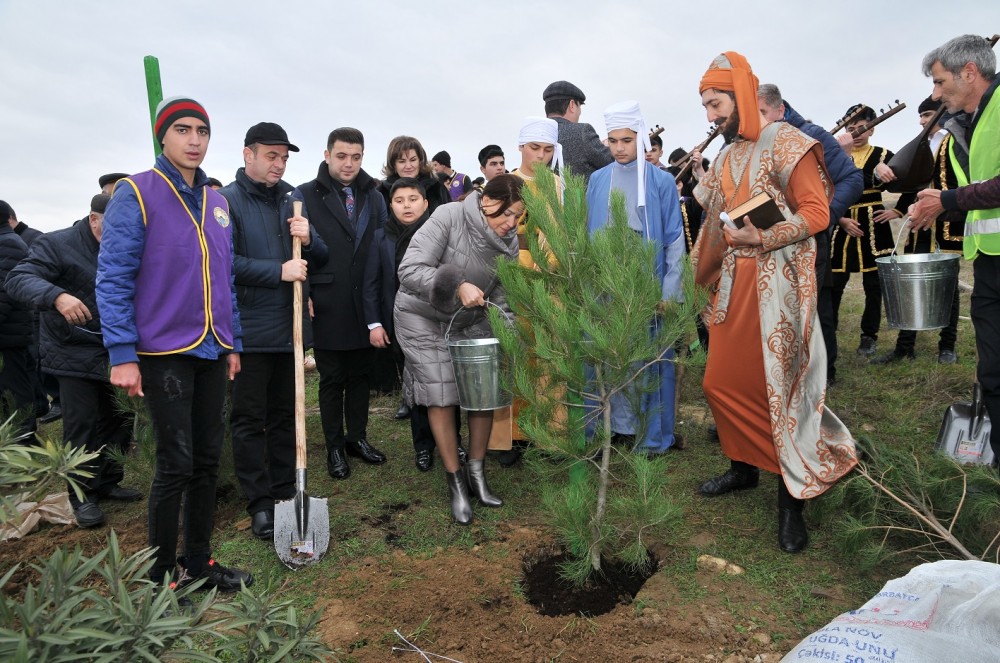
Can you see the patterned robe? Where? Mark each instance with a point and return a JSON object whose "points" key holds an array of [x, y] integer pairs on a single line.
{"points": [[766, 373]]}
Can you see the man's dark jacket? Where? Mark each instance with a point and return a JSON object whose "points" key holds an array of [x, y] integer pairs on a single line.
{"points": [[58, 262], [847, 179], [339, 322], [261, 244], [583, 151]]}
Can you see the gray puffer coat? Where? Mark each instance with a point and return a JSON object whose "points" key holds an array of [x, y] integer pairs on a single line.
{"points": [[455, 245]]}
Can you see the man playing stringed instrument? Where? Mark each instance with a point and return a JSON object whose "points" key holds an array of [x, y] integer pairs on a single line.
{"points": [[863, 234], [765, 379]]}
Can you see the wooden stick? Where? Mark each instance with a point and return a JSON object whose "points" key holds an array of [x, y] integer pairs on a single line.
{"points": [[300, 371]]}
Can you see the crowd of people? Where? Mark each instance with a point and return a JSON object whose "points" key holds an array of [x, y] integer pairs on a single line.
{"points": [[174, 284]]}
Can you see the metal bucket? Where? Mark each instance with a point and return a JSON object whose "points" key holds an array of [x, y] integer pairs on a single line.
{"points": [[917, 289], [478, 364]]}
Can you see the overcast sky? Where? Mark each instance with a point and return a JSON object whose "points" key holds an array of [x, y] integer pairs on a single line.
{"points": [[456, 75]]}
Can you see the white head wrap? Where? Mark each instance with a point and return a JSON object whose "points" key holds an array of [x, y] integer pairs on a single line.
{"points": [[626, 115], [542, 130]]}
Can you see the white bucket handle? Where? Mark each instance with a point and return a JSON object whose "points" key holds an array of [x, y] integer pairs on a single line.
{"points": [[447, 332]]}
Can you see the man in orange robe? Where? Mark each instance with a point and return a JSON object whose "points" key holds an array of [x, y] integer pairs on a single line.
{"points": [[765, 380]]}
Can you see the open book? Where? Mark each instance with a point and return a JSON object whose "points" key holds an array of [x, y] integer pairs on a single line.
{"points": [[761, 209]]}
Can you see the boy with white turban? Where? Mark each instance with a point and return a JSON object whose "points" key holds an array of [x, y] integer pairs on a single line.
{"points": [[538, 143], [654, 212]]}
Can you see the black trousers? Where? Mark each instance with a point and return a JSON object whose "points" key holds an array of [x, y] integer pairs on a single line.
{"points": [[17, 389], [824, 302], [907, 338], [344, 384], [871, 318], [263, 428], [986, 322], [91, 420], [186, 397]]}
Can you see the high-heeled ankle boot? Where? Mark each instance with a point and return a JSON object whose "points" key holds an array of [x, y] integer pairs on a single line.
{"points": [[477, 484], [461, 508]]}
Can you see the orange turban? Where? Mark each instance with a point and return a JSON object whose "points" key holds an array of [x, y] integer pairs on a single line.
{"points": [[731, 71]]}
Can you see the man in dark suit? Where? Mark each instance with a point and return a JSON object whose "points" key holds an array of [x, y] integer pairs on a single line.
{"points": [[345, 209], [583, 151]]}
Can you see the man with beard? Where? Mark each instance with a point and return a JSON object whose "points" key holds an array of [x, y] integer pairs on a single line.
{"points": [[766, 372], [848, 183], [263, 402], [346, 208], [965, 80]]}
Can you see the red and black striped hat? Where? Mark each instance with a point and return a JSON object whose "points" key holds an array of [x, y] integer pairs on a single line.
{"points": [[170, 110]]}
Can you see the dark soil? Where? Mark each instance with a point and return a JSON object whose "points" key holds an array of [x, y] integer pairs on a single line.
{"points": [[553, 596]]}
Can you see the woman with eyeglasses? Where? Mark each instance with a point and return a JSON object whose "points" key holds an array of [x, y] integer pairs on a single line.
{"points": [[449, 267]]}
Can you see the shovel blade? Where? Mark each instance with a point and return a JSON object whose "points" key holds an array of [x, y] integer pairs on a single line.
{"points": [[965, 434], [301, 530]]}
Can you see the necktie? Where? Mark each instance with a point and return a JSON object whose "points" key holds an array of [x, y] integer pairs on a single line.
{"points": [[349, 202]]}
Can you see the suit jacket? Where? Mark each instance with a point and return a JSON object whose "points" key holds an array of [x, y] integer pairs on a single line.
{"points": [[583, 151], [336, 287]]}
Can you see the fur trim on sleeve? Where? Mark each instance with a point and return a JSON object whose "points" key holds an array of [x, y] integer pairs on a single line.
{"points": [[444, 287]]}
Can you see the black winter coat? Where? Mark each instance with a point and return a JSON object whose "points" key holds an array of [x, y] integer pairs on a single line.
{"points": [[339, 322], [261, 244], [58, 262]]}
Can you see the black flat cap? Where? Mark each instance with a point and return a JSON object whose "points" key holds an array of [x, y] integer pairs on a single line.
{"points": [[268, 133], [99, 203], [563, 90], [110, 178]]}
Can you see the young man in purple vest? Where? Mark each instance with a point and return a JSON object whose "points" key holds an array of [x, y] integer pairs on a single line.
{"points": [[171, 326], [458, 184]]}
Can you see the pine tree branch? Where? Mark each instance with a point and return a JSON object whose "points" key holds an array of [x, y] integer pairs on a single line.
{"points": [[928, 520]]}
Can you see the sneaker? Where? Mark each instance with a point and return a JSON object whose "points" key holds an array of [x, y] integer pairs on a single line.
{"points": [[893, 356], [216, 576], [947, 357], [867, 346]]}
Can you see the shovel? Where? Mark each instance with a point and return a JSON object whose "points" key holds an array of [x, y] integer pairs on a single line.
{"points": [[965, 431], [301, 524]]}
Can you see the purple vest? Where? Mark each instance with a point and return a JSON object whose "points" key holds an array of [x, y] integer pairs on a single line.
{"points": [[183, 286], [455, 188]]}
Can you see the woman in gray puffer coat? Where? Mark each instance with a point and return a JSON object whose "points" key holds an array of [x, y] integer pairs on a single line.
{"points": [[451, 265]]}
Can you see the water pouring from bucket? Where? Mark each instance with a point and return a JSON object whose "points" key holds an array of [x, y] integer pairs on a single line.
{"points": [[917, 289]]}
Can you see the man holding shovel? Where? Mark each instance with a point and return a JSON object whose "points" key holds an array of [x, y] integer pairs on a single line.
{"points": [[172, 329], [263, 417], [964, 74]]}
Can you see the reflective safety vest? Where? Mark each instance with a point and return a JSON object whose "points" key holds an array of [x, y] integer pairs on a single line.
{"points": [[982, 226]]}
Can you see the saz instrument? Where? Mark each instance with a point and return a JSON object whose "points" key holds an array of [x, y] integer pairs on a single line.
{"points": [[847, 119], [686, 162], [913, 164], [655, 131], [868, 126]]}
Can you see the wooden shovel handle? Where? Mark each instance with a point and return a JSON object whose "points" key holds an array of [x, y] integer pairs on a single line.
{"points": [[299, 359]]}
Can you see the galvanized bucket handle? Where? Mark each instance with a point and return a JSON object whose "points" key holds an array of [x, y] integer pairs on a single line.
{"points": [[447, 333], [894, 271]]}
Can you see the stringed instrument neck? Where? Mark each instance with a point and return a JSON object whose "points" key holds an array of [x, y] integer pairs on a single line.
{"points": [[688, 161], [868, 126]]}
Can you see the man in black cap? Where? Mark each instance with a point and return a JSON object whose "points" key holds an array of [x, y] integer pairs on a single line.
{"points": [[263, 404], [58, 279], [457, 183], [108, 182], [583, 151]]}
